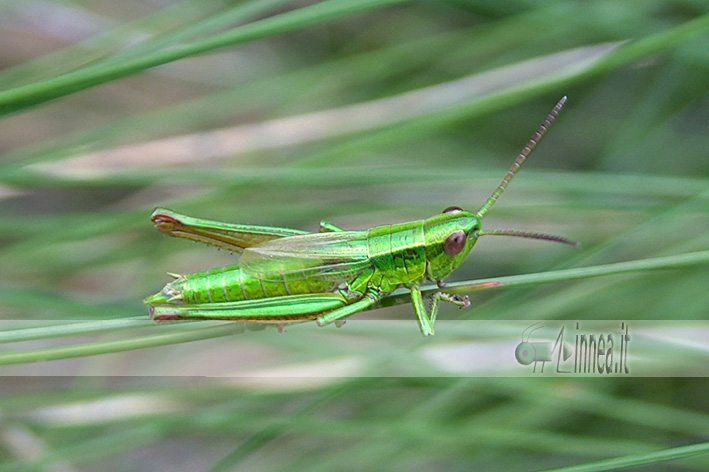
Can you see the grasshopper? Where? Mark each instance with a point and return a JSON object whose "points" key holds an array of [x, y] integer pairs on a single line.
{"points": [[288, 276]]}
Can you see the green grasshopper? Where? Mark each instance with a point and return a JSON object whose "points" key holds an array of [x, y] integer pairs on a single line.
{"points": [[287, 275]]}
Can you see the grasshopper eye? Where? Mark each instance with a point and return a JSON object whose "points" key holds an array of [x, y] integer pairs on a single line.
{"points": [[455, 243], [453, 209]]}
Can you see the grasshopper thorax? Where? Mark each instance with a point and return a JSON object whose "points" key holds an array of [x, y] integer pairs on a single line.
{"points": [[450, 237]]}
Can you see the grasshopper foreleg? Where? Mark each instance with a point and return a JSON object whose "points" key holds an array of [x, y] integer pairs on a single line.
{"points": [[427, 321], [461, 302]]}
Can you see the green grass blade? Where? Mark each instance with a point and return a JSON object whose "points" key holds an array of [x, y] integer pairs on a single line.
{"points": [[524, 280], [33, 94], [105, 347], [636, 460]]}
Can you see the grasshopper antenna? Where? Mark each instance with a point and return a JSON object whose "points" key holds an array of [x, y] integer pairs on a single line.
{"points": [[528, 235], [526, 151]]}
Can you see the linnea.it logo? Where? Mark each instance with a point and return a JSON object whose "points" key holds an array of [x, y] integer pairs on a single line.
{"points": [[576, 351]]}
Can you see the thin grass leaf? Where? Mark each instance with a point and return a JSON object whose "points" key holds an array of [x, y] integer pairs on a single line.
{"points": [[639, 459], [33, 94]]}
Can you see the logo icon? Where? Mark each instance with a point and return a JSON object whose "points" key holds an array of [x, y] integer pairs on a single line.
{"points": [[527, 352]]}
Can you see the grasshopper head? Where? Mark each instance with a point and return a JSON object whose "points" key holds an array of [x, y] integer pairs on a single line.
{"points": [[451, 236], [449, 239]]}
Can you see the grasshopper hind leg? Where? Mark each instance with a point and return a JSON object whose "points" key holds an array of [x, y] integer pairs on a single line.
{"points": [[162, 316]]}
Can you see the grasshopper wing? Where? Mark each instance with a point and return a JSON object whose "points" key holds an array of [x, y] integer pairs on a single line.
{"points": [[333, 257], [227, 236]]}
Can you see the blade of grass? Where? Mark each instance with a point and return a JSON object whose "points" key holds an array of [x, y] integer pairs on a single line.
{"points": [[399, 296], [33, 94], [105, 347], [638, 459], [101, 45]]}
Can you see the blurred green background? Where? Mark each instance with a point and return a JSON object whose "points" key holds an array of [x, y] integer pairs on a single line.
{"points": [[360, 113]]}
